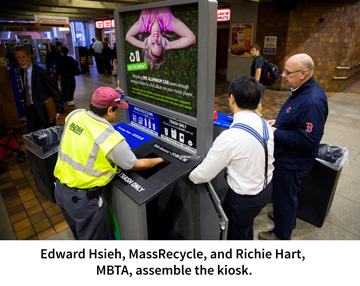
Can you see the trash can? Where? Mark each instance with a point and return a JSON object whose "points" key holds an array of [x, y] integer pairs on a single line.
{"points": [[42, 149], [81, 55], [318, 187]]}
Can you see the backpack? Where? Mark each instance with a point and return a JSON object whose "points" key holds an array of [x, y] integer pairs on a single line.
{"points": [[269, 74]]}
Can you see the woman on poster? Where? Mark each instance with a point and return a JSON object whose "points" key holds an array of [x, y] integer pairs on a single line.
{"points": [[157, 21]]}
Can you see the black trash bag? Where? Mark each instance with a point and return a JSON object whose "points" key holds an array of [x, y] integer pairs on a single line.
{"points": [[45, 137], [44, 142], [332, 156]]}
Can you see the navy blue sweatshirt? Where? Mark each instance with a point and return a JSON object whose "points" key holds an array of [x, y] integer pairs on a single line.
{"points": [[300, 126]]}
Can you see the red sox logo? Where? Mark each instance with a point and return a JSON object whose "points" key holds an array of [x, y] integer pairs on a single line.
{"points": [[309, 127], [288, 110]]}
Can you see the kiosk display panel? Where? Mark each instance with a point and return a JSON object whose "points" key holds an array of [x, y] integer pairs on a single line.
{"points": [[161, 56], [166, 55]]}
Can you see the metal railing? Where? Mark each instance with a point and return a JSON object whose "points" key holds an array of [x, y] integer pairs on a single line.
{"points": [[346, 68]]}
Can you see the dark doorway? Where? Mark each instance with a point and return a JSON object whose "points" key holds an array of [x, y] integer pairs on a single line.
{"points": [[222, 52]]}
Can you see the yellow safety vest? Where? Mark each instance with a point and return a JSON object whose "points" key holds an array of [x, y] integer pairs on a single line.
{"points": [[82, 154]]}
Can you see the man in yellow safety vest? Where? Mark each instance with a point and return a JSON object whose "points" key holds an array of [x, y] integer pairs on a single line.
{"points": [[90, 152]]}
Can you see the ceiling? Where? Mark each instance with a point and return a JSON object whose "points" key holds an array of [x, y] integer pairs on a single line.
{"points": [[75, 10]]}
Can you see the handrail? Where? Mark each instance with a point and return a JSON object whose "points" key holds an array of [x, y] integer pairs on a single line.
{"points": [[340, 77], [345, 68], [222, 225], [207, 187], [348, 68]]}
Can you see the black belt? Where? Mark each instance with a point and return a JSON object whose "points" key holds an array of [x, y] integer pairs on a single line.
{"points": [[91, 193]]}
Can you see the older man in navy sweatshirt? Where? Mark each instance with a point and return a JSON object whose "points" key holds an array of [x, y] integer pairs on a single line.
{"points": [[298, 129]]}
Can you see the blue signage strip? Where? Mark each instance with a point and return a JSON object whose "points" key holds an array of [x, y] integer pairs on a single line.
{"points": [[134, 137], [18, 90], [144, 119], [224, 120], [172, 130]]}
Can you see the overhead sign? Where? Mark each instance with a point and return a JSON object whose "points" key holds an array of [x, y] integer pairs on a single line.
{"points": [[51, 21], [223, 15], [22, 27], [103, 24]]}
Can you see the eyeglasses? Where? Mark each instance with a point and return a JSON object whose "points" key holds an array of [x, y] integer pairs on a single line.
{"points": [[289, 73]]}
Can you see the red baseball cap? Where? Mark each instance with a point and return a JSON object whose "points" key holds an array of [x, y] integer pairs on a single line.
{"points": [[105, 97]]}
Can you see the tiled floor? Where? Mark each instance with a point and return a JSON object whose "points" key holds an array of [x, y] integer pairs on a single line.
{"points": [[32, 216]]}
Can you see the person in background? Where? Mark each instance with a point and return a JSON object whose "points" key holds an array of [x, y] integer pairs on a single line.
{"points": [[256, 69], [30, 47], [297, 129], [38, 85], [58, 44], [67, 67], [51, 58], [115, 62], [98, 46], [91, 46], [90, 153], [248, 159], [107, 54]]}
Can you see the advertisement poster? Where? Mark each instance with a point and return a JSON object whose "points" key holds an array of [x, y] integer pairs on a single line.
{"points": [[161, 56], [241, 39]]}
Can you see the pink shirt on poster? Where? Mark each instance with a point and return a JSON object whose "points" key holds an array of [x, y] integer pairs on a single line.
{"points": [[162, 14]]}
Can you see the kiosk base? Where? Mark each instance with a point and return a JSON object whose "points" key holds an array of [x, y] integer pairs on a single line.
{"points": [[183, 211]]}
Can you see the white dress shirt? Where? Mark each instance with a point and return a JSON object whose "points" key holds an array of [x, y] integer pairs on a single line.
{"points": [[242, 154], [29, 76], [97, 47]]}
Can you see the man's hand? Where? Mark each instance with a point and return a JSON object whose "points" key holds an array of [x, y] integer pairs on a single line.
{"points": [[118, 88], [271, 122]]}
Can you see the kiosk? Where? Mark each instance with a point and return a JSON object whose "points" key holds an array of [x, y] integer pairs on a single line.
{"points": [[170, 99]]}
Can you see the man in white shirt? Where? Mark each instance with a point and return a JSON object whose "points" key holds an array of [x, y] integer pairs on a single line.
{"points": [[248, 167]]}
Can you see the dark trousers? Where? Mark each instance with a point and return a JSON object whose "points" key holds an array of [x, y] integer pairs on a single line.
{"points": [[86, 219], [68, 85], [99, 62], [241, 211], [107, 65], [286, 185], [33, 120]]}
